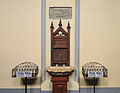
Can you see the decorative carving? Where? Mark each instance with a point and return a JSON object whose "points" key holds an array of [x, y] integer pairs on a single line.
{"points": [[60, 45], [60, 71]]}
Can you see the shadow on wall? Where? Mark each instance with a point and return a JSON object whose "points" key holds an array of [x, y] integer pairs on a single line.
{"points": [[92, 81], [31, 81]]}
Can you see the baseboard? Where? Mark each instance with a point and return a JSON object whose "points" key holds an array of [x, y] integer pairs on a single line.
{"points": [[82, 90], [100, 90]]}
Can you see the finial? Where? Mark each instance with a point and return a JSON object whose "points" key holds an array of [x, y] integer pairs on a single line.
{"points": [[68, 25], [52, 25], [60, 23]]}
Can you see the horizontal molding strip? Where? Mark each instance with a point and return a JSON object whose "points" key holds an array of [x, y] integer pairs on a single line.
{"points": [[81, 90]]}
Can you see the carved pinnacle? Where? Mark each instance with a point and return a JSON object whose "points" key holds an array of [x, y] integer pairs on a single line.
{"points": [[52, 27], [60, 23], [68, 25]]}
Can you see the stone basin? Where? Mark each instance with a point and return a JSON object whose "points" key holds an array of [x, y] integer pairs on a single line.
{"points": [[60, 70]]}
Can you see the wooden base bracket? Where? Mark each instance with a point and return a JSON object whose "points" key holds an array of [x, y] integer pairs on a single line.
{"points": [[60, 84]]}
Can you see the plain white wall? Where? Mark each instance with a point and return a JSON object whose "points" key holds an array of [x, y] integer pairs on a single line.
{"points": [[20, 38], [100, 38]]}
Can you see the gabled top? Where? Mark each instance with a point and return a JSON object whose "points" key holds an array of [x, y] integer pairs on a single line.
{"points": [[60, 29]]}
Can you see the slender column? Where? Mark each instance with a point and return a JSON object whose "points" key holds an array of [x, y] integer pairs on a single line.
{"points": [[77, 41], [94, 84], [43, 25], [25, 84], [68, 28]]}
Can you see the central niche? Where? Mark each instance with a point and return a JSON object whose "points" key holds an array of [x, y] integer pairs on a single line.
{"points": [[60, 45]]}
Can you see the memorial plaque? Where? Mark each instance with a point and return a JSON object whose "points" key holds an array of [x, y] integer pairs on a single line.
{"points": [[95, 74], [60, 12], [24, 74]]}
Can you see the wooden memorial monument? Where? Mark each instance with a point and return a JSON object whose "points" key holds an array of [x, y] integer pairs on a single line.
{"points": [[60, 46], [60, 68]]}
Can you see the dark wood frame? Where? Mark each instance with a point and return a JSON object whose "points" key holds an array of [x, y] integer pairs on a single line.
{"points": [[60, 84], [60, 45]]}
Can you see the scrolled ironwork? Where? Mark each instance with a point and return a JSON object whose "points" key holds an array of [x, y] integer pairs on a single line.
{"points": [[26, 66], [93, 66]]}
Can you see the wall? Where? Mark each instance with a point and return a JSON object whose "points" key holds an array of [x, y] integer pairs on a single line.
{"points": [[99, 38], [20, 37]]}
